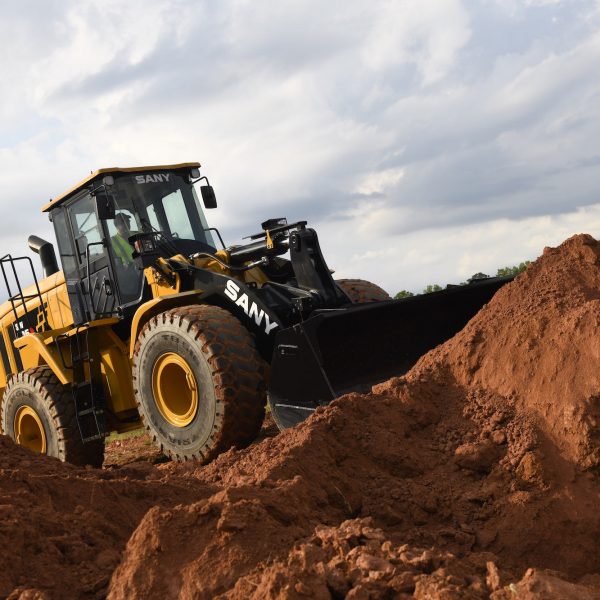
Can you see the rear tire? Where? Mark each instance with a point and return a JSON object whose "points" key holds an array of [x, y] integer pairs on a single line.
{"points": [[361, 291], [210, 360], [38, 412]]}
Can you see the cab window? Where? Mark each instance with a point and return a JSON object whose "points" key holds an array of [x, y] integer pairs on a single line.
{"points": [[65, 247], [86, 230], [177, 216]]}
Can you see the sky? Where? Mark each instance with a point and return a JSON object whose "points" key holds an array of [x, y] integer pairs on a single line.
{"points": [[425, 141]]}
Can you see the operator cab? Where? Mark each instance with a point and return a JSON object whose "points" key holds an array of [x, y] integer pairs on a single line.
{"points": [[97, 222]]}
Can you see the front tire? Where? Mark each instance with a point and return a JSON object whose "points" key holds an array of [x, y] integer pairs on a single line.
{"points": [[38, 412], [198, 382]]}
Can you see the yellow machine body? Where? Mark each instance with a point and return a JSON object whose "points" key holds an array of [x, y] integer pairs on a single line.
{"points": [[49, 344]]}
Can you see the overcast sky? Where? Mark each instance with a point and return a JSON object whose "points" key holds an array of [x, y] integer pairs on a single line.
{"points": [[425, 140]]}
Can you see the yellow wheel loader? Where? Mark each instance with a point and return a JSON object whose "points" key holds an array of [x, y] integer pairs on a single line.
{"points": [[152, 321]]}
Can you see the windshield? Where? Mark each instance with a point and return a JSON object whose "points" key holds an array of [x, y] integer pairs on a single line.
{"points": [[162, 202]]}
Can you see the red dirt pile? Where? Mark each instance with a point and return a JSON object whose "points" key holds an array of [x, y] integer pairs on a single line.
{"points": [[63, 528], [537, 344], [450, 482], [474, 476]]}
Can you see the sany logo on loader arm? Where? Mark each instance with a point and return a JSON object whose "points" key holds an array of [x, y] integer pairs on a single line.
{"points": [[232, 291]]}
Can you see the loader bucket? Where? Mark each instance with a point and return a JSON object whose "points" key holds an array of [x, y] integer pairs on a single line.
{"points": [[352, 348]]}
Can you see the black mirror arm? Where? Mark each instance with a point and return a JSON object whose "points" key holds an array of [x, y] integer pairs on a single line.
{"points": [[216, 231]]}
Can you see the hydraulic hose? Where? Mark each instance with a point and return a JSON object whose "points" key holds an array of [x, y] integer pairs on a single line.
{"points": [[262, 262]]}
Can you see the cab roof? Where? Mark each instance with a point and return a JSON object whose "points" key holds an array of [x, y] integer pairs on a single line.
{"points": [[78, 186]]}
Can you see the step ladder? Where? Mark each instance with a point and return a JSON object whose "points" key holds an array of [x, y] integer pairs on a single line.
{"points": [[88, 395]]}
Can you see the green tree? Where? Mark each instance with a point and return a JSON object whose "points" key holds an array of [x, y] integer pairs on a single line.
{"points": [[503, 272], [513, 271], [403, 294], [432, 287]]}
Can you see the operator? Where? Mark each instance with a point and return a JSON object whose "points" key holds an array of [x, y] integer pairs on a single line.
{"points": [[120, 241]]}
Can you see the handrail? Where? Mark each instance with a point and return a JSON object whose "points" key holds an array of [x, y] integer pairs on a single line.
{"points": [[20, 299]]}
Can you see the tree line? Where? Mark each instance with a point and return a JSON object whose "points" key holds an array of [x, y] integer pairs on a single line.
{"points": [[502, 272]]}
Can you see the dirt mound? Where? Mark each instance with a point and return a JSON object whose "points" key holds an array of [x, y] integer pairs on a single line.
{"points": [[62, 528], [420, 469], [473, 476], [536, 344], [476, 456]]}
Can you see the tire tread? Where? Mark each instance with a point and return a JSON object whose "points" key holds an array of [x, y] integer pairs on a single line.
{"points": [[58, 399], [236, 369]]}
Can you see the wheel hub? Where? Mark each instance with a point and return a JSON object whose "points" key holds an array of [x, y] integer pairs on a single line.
{"points": [[175, 389], [29, 430]]}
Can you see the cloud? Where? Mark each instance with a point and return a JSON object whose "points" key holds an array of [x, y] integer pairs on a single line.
{"points": [[452, 254], [427, 35], [388, 126]]}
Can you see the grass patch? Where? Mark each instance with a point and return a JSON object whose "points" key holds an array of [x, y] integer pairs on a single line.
{"points": [[113, 437]]}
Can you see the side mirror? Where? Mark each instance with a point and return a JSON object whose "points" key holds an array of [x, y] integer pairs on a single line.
{"points": [[208, 196], [105, 207]]}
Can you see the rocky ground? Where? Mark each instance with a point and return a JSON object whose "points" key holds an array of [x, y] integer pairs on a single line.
{"points": [[473, 476]]}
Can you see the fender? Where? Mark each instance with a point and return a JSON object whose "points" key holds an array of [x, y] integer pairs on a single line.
{"points": [[218, 290], [34, 353], [153, 307]]}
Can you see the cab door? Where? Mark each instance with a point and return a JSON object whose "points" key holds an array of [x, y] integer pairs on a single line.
{"points": [[86, 262]]}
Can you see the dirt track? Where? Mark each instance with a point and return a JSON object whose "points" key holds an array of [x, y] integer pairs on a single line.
{"points": [[474, 476]]}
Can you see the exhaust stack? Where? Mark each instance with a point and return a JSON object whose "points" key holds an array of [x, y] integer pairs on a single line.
{"points": [[47, 255]]}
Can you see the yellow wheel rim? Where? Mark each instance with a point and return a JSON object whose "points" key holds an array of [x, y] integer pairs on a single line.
{"points": [[175, 389], [29, 430]]}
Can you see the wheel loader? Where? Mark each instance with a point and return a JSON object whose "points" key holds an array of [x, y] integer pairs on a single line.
{"points": [[152, 321]]}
